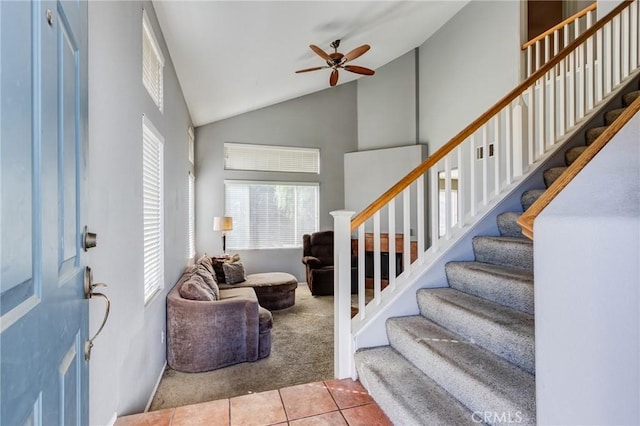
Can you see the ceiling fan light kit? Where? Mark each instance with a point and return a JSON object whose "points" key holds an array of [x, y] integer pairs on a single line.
{"points": [[337, 60]]}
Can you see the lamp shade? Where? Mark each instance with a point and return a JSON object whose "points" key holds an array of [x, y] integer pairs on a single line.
{"points": [[222, 223]]}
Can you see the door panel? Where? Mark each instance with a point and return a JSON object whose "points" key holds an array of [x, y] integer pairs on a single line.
{"points": [[44, 316]]}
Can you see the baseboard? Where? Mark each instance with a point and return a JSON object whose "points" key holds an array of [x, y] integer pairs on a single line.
{"points": [[112, 420], [155, 388]]}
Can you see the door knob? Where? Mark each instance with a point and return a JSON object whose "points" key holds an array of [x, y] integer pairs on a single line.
{"points": [[89, 239]]}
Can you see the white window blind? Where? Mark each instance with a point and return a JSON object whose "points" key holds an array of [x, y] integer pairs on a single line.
{"points": [[152, 186], [192, 218], [270, 214], [152, 63], [269, 158]]}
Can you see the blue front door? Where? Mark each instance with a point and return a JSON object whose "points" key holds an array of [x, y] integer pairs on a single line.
{"points": [[43, 116]]}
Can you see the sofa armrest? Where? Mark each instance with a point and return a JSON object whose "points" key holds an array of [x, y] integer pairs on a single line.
{"points": [[312, 262], [204, 335]]}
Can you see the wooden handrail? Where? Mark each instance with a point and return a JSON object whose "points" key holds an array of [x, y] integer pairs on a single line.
{"points": [[433, 159], [570, 19], [528, 217]]}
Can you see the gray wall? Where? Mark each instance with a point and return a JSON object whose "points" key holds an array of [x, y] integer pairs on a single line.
{"points": [[606, 6], [387, 105], [586, 255], [467, 66], [325, 120], [129, 355]]}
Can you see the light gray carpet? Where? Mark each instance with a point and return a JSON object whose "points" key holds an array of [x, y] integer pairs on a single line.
{"points": [[301, 352]]}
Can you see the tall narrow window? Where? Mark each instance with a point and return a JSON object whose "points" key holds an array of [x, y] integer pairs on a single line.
{"points": [[192, 218], [152, 63], [153, 206], [190, 144], [270, 214]]}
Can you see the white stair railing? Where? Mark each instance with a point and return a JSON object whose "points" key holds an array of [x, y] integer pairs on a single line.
{"points": [[545, 46], [415, 220]]}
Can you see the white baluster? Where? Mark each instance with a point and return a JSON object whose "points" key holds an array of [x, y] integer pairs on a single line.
{"points": [[542, 116], [421, 215], [556, 42], [447, 197], [561, 99], [589, 79], [509, 140], [485, 161], [572, 90], [531, 109], [537, 55], [547, 48], [435, 214], [520, 135], [472, 177], [599, 67], [608, 64], [633, 45], [529, 60], [565, 33], [624, 31], [496, 152], [552, 106], [406, 229], [616, 50], [391, 212], [462, 186], [343, 351], [377, 274], [362, 301]]}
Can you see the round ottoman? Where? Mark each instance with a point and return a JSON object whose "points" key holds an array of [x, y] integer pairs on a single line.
{"points": [[275, 290]]}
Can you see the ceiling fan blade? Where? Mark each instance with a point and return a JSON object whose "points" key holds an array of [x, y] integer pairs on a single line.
{"points": [[333, 79], [320, 52], [311, 69], [359, 70], [358, 51]]}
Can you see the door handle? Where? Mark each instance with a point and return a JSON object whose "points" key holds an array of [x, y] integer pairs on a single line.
{"points": [[89, 239], [89, 293]]}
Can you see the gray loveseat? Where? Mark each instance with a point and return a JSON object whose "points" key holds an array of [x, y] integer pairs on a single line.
{"points": [[203, 335]]}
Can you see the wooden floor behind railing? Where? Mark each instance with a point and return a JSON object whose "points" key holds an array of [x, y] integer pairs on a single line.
{"points": [[526, 221]]}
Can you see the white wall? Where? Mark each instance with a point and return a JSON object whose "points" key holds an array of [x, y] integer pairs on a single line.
{"points": [[586, 252], [606, 6], [387, 105], [466, 67], [129, 355], [325, 120]]}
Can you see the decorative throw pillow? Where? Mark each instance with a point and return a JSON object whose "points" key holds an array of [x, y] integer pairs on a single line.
{"points": [[218, 271], [195, 289], [233, 272], [206, 262], [209, 280]]}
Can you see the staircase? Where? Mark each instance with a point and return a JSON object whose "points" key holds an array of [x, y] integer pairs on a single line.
{"points": [[468, 357]]}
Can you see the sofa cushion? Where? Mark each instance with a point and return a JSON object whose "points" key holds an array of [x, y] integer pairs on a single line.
{"points": [[265, 319], [206, 261], [208, 279], [233, 272], [218, 271], [195, 289]]}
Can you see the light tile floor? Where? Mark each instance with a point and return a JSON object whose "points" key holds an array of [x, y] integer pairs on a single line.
{"points": [[329, 403]]}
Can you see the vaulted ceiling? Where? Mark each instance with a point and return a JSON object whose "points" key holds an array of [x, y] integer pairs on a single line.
{"points": [[237, 56]]}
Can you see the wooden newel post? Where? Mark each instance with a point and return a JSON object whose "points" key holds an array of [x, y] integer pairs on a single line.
{"points": [[343, 353]]}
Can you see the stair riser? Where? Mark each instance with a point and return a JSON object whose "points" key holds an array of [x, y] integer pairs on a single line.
{"points": [[508, 225], [514, 292], [471, 389], [511, 254], [517, 349], [530, 197]]}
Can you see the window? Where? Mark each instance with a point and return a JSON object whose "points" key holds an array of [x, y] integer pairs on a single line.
{"points": [[269, 158], [152, 62], [153, 206], [192, 219], [270, 214]]}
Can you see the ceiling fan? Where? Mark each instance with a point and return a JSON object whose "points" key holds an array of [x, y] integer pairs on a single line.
{"points": [[337, 60]]}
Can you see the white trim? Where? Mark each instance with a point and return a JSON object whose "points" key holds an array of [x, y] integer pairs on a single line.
{"points": [[113, 419], [155, 388]]}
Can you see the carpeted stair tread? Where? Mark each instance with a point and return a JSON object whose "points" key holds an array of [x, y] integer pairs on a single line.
{"points": [[628, 98], [550, 175], [504, 251], [479, 379], [529, 197], [506, 332], [506, 286], [572, 154], [611, 116], [508, 225], [594, 133], [404, 393]]}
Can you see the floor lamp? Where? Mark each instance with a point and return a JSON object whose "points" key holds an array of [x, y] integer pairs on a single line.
{"points": [[224, 224]]}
